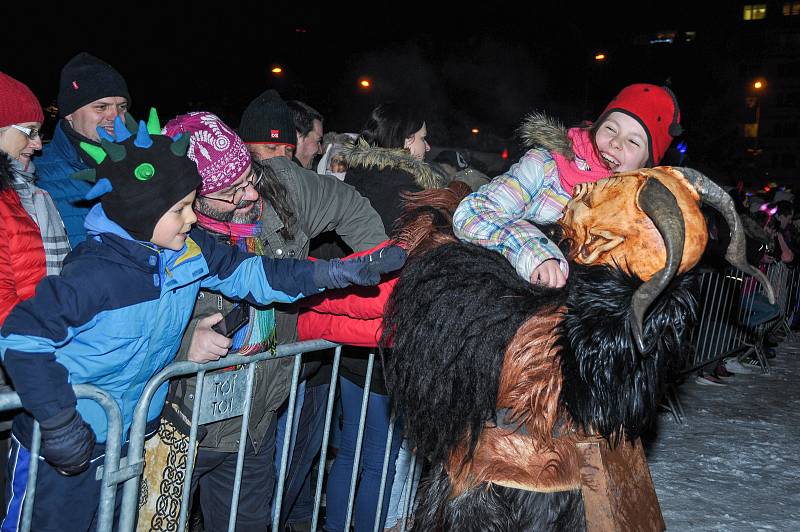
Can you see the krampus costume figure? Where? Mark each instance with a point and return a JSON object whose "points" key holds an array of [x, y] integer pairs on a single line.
{"points": [[498, 381]]}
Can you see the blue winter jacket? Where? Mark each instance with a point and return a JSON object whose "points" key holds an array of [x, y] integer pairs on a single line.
{"points": [[117, 313], [54, 168]]}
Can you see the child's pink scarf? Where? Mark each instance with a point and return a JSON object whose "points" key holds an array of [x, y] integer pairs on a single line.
{"points": [[568, 170]]}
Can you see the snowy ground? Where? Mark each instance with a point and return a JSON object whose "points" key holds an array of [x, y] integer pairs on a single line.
{"points": [[734, 464]]}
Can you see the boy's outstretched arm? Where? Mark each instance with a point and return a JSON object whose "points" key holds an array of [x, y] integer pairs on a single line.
{"points": [[262, 280]]}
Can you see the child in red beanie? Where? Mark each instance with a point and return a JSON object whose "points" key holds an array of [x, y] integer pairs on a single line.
{"points": [[634, 131]]}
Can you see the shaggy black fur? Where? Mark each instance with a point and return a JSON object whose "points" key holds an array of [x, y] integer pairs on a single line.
{"points": [[606, 385], [496, 509], [458, 306], [451, 316]]}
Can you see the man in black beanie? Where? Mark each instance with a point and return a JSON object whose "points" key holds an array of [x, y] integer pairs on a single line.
{"points": [[91, 94], [267, 127]]}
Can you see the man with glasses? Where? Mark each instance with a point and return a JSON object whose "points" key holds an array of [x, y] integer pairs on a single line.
{"points": [[250, 206], [91, 94]]}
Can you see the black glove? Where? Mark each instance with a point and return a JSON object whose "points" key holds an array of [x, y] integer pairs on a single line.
{"points": [[67, 442], [364, 271]]}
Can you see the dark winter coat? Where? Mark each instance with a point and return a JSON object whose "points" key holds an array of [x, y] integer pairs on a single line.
{"points": [[381, 175], [54, 169]]}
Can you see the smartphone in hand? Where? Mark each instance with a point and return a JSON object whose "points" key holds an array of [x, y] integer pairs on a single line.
{"points": [[233, 320]]}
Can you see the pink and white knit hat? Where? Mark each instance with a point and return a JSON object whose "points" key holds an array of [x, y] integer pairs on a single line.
{"points": [[219, 153]]}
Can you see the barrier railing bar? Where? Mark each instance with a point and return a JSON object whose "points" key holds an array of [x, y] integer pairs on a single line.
{"points": [[359, 440], [287, 440], [325, 436]]}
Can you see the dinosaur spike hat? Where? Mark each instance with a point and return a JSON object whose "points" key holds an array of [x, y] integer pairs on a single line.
{"points": [[140, 175]]}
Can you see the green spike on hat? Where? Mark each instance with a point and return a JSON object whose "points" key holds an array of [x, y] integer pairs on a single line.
{"points": [[153, 124], [89, 175], [181, 146], [117, 152], [95, 152]]}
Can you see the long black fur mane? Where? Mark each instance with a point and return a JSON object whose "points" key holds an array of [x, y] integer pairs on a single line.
{"points": [[607, 386], [448, 322]]}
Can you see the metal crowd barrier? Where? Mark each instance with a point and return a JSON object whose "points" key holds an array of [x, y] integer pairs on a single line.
{"points": [[726, 300], [111, 461], [238, 404]]}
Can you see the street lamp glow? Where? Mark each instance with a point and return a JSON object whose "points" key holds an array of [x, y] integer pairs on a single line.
{"points": [[600, 57], [277, 70], [365, 83], [475, 130], [758, 84]]}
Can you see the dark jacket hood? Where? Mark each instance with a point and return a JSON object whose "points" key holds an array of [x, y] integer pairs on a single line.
{"points": [[360, 153]]}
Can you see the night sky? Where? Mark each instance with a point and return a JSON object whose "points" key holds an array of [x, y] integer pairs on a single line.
{"points": [[482, 67]]}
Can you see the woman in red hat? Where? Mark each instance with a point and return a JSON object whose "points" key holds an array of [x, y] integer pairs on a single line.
{"points": [[634, 131], [27, 214]]}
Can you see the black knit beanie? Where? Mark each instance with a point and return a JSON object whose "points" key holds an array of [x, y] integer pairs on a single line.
{"points": [[84, 79], [148, 173], [267, 120]]}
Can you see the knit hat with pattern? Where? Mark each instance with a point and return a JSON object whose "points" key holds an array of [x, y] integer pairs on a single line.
{"points": [[219, 153]]}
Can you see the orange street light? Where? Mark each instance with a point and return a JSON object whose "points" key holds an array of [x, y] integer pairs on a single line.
{"points": [[475, 130], [600, 57], [277, 70], [759, 84], [365, 83]]}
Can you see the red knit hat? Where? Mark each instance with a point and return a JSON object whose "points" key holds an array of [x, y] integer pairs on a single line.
{"points": [[656, 109], [17, 103]]}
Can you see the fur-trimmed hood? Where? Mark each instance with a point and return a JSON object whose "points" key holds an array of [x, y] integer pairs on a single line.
{"points": [[360, 153], [541, 131]]}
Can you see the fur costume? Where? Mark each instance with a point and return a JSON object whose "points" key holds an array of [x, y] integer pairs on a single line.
{"points": [[497, 380]]}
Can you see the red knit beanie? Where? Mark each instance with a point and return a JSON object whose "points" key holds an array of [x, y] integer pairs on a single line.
{"points": [[656, 109], [17, 103]]}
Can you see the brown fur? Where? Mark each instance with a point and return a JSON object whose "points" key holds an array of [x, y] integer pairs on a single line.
{"points": [[420, 231], [545, 459]]}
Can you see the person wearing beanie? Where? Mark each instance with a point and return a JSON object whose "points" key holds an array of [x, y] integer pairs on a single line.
{"points": [[91, 94], [633, 131], [117, 313], [270, 210], [267, 127]]}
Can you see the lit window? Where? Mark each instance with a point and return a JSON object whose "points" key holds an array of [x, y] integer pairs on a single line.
{"points": [[791, 9], [755, 12]]}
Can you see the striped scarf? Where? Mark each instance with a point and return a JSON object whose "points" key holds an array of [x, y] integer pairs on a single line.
{"points": [[40, 207], [259, 334]]}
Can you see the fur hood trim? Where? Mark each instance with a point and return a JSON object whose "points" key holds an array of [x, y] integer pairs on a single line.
{"points": [[360, 153], [541, 131]]}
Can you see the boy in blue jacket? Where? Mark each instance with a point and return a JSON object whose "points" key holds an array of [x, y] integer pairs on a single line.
{"points": [[116, 314]]}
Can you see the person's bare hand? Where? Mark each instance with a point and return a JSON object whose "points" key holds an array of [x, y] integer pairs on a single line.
{"points": [[208, 345], [549, 274]]}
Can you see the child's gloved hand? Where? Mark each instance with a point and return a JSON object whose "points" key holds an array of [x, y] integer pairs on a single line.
{"points": [[364, 271], [67, 442]]}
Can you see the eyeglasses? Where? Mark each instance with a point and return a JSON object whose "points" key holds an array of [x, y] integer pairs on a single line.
{"points": [[31, 132], [238, 194]]}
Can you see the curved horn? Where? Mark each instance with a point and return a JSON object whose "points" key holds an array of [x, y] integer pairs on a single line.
{"points": [[658, 202], [712, 194]]}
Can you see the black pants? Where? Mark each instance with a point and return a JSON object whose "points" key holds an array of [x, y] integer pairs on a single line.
{"points": [[62, 503], [214, 474]]}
